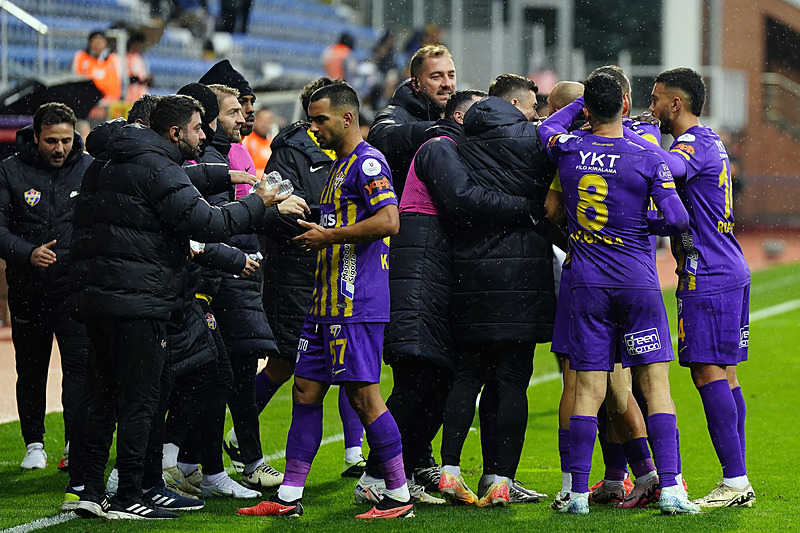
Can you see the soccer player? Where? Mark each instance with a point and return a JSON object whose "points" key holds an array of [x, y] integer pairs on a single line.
{"points": [[607, 183], [714, 279], [342, 337]]}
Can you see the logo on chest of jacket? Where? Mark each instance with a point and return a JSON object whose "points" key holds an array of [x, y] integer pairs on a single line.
{"points": [[32, 197], [211, 321]]}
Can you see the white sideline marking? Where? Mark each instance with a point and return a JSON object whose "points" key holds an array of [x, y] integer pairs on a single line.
{"points": [[41, 523]]}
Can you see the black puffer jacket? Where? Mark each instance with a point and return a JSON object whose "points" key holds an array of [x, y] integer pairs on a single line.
{"points": [[421, 256], [145, 210], [288, 272], [37, 203], [504, 277], [399, 130]]}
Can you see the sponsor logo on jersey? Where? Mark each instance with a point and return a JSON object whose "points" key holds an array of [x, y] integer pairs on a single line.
{"points": [[348, 279], [744, 336], [32, 197], [686, 138], [680, 306], [211, 321], [371, 167], [687, 148], [374, 185], [642, 342]]}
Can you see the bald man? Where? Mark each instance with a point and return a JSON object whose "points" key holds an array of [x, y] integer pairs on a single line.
{"points": [[563, 93]]}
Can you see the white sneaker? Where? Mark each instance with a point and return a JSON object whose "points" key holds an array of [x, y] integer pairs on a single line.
{"points": [[370, 490], [418, 494], [578, 504], [227, 488], [35, 457], [176, 480], [725, 496], [673, 500], [263, 477], [112, 483]]}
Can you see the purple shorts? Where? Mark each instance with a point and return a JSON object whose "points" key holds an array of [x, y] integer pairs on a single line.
{"points": [[714, 329], [626, 325], [560, 345], [335, 353]]}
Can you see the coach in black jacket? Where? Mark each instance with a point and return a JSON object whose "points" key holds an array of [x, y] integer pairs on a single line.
{"points": [[145, 210], [39, 187], [399, 129]]}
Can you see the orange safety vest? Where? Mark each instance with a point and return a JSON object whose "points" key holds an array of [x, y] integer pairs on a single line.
{"points": [[103, 73], [260, 150]]}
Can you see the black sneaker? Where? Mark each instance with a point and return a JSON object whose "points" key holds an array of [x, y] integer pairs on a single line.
{"points": [[170, 500], [138, 509], [274, 506], [91, 506], [428, 477]]}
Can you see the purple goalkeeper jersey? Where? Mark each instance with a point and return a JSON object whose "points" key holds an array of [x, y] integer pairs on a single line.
{"points": [[709, 259], [607, 184], [352, 280]]}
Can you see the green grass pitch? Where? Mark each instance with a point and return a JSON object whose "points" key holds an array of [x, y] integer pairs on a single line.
{"points": [[770, 380]]}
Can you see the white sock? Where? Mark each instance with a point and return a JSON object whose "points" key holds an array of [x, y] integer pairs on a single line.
{"points": [[169, 457], [234, 440], [613, 483], [454, 471], [366, 478], [400, 494], [352, 454], [79, 488], [647, 477], [250, 467], [214, 478], [487, 479], [566, 482], [500, 479], [290, 494], [738, 483], [187, 468]]}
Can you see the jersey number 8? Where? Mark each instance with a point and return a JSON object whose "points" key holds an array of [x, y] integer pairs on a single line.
{"points": [[592, 190]]}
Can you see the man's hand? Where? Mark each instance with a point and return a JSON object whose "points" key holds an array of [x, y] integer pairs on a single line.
{"points": [[43, 256], [648, 117], [249, 268], [269, 196], [240, 176], [315, 239], [294, 205]]}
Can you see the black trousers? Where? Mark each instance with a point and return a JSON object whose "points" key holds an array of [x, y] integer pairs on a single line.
{"points": [[510, 364], [35, 319], [127, 369]]}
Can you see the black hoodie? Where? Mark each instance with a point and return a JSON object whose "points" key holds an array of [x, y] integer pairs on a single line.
{"points": [[36, 206]]}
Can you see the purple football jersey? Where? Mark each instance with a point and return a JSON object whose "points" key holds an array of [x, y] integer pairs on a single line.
{"points": [[648, 132], [709, 258], [607, 184], [352, 280]]}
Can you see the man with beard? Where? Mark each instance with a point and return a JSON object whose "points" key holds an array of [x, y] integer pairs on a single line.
{"points": [[145, 210], [399, 130]]}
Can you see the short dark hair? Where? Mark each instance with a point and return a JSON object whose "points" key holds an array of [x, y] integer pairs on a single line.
{"points": [[173, 110], [459, 100], [340, 94], [308, 90], [508, 86], [603, 96], [141, 109], [53, 113], [617, 73], [430, 50], [688, 81]]}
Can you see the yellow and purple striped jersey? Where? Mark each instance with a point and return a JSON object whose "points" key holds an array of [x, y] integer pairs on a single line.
{"points": [[352, 280]]}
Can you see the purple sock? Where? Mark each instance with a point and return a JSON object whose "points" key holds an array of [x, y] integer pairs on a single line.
{"points": [[722, 418], [265, 390], [616, 462], [305, 436], [351, 424], [663, 428], [741, 410], [638, 454], [582, 431], [384, 442], [678, 442], [563, 448]]}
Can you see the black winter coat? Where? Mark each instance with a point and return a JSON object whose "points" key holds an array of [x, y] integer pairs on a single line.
{"points": [[399, 130], [289, 272], [145, 210], [37, 204], [504, 277]]}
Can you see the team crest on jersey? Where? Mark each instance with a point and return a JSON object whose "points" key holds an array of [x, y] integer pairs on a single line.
{"points": [[680, 306], [338, 179], [686, 138], [211, 321], [32, 197], [371, 167], [335, 329]]}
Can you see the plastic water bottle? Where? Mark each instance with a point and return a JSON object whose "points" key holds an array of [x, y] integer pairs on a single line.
{"points": [[197, 247], [272, 180]]}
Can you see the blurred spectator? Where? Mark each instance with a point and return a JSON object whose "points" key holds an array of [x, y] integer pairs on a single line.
{"points": [[99, 66], [733, 145], [234, 15], [383, 54], [338, 61], [259, 141], [139, 75]]}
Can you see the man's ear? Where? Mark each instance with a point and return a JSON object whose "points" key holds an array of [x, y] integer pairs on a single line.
{"points": [[347, 118], [174, 134]]}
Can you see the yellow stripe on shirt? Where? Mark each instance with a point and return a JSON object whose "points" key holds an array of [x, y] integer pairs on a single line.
{"points": [[381, 197]]}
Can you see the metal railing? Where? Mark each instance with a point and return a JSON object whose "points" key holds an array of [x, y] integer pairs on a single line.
{"points": [[43, 33]]}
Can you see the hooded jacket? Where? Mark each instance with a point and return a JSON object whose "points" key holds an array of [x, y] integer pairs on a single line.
{"points": [[145, 211], [37, 204], [399, 130], [504, 287]]}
